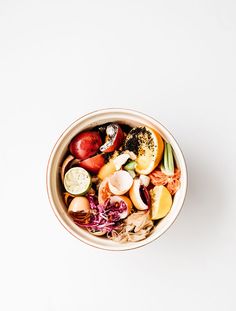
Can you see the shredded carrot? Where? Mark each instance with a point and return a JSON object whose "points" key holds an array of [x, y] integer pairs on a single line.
{"points": [[172, 183]]}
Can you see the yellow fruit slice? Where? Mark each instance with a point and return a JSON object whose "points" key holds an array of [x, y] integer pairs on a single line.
{"points": [[161, 202], [107, 170], [150, 148]]}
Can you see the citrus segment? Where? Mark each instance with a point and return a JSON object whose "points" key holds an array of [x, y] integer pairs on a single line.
{"points": [[161, 202]]}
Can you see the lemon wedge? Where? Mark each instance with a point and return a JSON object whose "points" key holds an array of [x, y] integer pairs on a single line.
{"points": [[161, 202]]}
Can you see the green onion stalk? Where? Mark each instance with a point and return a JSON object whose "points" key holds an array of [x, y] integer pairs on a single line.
{"points": [[167, 166]]}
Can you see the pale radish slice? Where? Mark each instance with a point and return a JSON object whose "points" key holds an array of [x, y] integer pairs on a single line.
{"points": [[120, 182]]}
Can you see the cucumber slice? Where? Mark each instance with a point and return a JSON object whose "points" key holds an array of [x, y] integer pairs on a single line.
{"points": [[130, 166], [77, 181]]}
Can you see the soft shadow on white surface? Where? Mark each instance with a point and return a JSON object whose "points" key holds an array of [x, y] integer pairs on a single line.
{"points": [[174, 60]]}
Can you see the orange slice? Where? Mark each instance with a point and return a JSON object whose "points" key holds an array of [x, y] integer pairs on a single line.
{"points": [[150, 149]]}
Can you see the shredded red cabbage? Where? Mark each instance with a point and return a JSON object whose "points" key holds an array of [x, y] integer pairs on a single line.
{"points": [[103, 217]]}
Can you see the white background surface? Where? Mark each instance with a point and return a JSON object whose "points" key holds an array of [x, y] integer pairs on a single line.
{"points": [[174, 60]]}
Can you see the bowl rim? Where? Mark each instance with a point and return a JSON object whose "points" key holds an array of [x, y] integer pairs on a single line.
{"points": [[54, 149]]}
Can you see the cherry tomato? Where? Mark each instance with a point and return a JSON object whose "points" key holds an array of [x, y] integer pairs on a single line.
{"points": [[85, 144], [93, 164]]}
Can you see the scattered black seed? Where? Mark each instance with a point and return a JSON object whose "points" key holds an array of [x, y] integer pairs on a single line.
{"points": [[137, 139], [125, 128]]}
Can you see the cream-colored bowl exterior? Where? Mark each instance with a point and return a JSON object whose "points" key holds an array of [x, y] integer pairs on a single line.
{"points": [[133, 118]]}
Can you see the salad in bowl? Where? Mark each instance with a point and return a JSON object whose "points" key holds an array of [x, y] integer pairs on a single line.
{"points": [[118, 181]]}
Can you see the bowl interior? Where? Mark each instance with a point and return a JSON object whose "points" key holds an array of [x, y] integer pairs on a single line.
{"points": [[131, 118]]}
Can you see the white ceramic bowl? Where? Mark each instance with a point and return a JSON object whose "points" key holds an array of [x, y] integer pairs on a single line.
{"points": [[133, 118]]}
